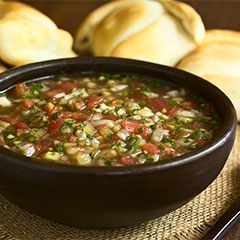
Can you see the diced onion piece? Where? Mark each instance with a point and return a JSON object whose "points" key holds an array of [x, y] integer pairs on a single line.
{"points": [[136, 117], [38, 132], [120, 87], [186, 113], [184, 142], [106, 94], [116, 127], [108, 153], [69, 144], [52, 155], [5, 102], [152, 95], [59, 95], [72, 150], [108, 122], [173, 93], [10, 136], [123, 134], [81, 134], [95, 143], [105, 131], [83, 93], [97, 116], [132, 105], [102, 107], [185, 119], [27, 149], [182, 92], [155, 157], [89, 129], [140, 142], [121, 112], [83, 159], [145, 112], [91, 85], [110, 83], [3, 125], [158, 134], [178, 99]]}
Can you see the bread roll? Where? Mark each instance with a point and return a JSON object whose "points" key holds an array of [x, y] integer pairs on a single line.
{"points": [[28, 36], [218, 61], [160, 31]]}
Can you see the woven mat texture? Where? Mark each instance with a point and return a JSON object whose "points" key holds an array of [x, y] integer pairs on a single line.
{"points": [[188, 222]]}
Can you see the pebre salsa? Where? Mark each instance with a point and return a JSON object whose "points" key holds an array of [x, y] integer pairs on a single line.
{"points": [[108, 120]]}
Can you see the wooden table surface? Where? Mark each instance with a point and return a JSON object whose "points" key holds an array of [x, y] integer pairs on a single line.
{"points": [[221, 14]]}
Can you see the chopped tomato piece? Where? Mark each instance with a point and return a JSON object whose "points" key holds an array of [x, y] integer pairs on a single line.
{"points": [[49, 107], [21, 88], [78, 104], [174, 110], [44, 145], [158, 103], [69, 85], [27, 103], [11, 120], [54, 110], [55, 125], [101, 126], [136, 127], [80, 117], [53, 92], [22, 125], [127, 161], [147, 131], [94, 101], [2, 141], [151, 148], [140, 96], [130, 126], [189, 105], [73, 138], [208, 109], [182, 134]]}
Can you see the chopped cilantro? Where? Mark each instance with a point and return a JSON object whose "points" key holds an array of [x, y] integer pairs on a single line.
{"points": [[60, 147], [67, 124], [193, 147], [110, 134], [140, 130], [117, 108], [108, 163], [149, 160], [142, 103], [154, 126], [145, 91], [173, 103], [90, 137], [56, 115], [162, 147]]}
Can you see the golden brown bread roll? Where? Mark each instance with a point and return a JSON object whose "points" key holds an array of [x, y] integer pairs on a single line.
{"points": [[161, 31], [218, 61], [28, 36], [2, 68]]}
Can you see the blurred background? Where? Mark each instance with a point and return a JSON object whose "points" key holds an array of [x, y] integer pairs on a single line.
{"points": [[67, 14]]}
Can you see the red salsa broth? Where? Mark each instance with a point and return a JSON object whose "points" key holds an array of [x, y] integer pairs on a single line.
{"points": [[107, 120]]}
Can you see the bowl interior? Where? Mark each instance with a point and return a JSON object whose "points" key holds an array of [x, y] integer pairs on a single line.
{"points": [[95, 65]]}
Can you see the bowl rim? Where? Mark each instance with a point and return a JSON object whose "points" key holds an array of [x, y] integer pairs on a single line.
{"points": [[227, 130]]}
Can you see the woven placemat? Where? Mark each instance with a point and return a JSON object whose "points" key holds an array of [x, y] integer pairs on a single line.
{"points": [[188, 222]]}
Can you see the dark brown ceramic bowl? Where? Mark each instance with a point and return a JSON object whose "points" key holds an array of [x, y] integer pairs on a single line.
{"points": [[114, 196]]}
